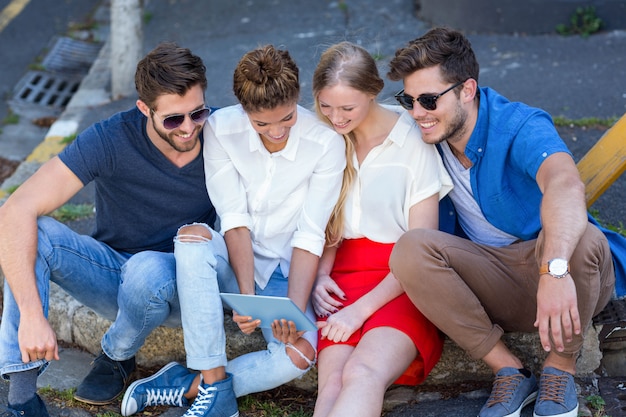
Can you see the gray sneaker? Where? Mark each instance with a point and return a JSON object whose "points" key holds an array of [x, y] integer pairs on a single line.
{"points": [[215, 400], [512, 390], [557, 394]]}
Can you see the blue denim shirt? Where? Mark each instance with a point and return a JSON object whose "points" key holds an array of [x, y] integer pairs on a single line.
{"points": [[508, 145]]}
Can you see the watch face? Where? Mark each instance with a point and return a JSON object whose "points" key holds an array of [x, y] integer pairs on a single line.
{"points": [[558, 266]]}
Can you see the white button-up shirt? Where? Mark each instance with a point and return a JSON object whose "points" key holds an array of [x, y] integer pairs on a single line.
{"points": [[393, 177], [284, 198]]}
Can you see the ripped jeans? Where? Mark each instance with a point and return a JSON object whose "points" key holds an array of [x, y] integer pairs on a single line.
{"points": [[203, 272]]}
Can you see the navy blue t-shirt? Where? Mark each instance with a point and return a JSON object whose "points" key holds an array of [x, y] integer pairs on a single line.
{"points": [[141, 197]]}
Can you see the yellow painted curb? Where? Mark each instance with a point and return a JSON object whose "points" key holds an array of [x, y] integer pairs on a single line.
{"points": [[53, 142]]}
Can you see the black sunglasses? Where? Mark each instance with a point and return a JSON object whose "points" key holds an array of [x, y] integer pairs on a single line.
{"points": [[427, 101], [175, 120]]}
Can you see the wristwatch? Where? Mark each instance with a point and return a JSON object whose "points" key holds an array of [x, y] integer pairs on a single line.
{"points": [[557, 267]]}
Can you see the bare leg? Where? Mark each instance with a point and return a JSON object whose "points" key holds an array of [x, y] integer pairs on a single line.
{"points": [[378, 360]]}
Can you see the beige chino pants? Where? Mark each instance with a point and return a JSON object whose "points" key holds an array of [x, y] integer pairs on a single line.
{"points": [[474, 293]]}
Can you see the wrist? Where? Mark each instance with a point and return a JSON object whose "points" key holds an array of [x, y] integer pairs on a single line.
{"points": [[556, 267]]}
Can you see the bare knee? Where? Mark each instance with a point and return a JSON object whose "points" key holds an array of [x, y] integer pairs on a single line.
{"points": [[358, 370], [194, 232], [301, 353]]}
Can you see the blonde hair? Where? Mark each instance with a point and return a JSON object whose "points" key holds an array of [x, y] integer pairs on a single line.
{"points": [[266, 78], [351, 65]]}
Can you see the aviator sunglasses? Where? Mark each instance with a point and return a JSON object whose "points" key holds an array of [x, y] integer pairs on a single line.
{"points": [[427, 101], [175, 120]]}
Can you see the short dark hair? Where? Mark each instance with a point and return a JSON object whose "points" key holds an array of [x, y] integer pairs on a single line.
{"points": [[168, 69], [445, 47]]}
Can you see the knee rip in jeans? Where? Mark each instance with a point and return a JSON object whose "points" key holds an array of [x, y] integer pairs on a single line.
{"points": [[195, 232], [298, 358]]}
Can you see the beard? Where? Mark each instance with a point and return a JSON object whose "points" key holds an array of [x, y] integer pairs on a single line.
{"points": [[168, 136], [455, 130]]}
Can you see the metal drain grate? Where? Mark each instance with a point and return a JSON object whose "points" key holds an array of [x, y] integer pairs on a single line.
{"points": [[42, 88], [71, 56], [65, 66], [613, 391], [613, 313]]}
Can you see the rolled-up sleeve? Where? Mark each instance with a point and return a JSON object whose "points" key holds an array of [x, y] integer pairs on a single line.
{"points": [[224, 184], [324, 189]]}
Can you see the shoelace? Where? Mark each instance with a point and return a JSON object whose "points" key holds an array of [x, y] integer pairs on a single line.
{"points": [[165, 397], [553, 388], [202, 403], [503, 388]]}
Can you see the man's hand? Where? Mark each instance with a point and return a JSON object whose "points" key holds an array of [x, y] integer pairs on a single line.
{"points": [[37, 340], [557, 311]]}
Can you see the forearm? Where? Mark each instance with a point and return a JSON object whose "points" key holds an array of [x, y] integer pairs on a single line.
{"points": [[388, 289], [302, 274], [563, 216], [241, 257], [326, 261]]}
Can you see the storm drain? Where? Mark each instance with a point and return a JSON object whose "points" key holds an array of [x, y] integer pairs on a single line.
{"points": [[46, 89], [65, 66], [613, 321], [71, 56]]}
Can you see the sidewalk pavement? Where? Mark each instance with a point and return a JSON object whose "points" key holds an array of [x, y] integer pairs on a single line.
{"points": [[570, 77]]}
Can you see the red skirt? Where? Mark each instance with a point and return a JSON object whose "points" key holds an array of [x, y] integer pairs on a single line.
{"points": [[359, 266]]}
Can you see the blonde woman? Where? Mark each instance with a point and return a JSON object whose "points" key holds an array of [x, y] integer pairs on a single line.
{"points": [[371, 335]]}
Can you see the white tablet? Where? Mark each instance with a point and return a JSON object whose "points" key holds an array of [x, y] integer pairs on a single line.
{"points": [[267, 309]]}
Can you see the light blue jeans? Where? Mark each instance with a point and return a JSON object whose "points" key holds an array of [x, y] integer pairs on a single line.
{"points": [[201, 276], [137, 292]]}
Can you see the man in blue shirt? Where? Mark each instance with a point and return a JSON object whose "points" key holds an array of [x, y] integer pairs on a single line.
{"points": [[148, 170], [524, 255]]}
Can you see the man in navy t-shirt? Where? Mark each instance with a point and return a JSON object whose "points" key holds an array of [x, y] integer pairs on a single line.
{"points": [[148, 171]]}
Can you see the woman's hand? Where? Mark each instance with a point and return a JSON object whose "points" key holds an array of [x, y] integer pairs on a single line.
{"points": [[323, 303], [245, 323], [342, 324]]}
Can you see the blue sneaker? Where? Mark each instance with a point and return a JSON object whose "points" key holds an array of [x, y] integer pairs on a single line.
{"points": [[557, 394], [215, 400], [166, 387], [512, 390]]}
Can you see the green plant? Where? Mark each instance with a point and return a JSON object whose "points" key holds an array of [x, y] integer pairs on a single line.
{"points": [[147, 17], [619, 228], [597, 404], [12, 189], [563, 121], [11, 119], [68, 139], [378, 56], [70, 212], [584, 21]]}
